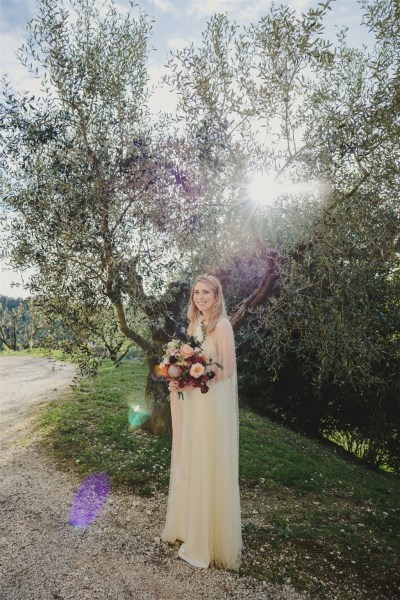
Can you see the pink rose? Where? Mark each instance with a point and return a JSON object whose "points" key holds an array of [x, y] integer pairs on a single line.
{"points": [[174, 371], [197, 370], [186, 350]]}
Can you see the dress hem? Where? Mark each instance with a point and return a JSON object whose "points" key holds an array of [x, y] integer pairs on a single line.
{"points": [[191, 561]]}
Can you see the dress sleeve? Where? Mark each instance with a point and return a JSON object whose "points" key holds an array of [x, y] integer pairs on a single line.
{"points": [[225, 347]]}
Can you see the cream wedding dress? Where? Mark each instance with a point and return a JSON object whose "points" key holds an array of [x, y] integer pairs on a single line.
{"points": [[204, 503]]}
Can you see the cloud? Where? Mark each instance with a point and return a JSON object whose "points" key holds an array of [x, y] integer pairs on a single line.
{"points": [[241, 9], [163, 99], [177, 43], [245, 10], [13, 33], [299, 5], [17, 73], [165, 6], [202, 8], [252, 11]]}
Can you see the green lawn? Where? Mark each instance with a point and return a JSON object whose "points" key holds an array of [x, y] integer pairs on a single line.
{"points": [[311, 517], [41, 352]]}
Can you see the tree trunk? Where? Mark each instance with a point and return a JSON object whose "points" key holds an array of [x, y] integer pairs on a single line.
{"points": [[170, 309], [156, 395]]}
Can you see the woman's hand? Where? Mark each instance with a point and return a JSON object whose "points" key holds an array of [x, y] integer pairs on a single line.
{"points": [[173, 386]]}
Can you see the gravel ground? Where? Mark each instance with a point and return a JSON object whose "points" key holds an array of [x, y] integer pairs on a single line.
{"points": [[120, 555]]}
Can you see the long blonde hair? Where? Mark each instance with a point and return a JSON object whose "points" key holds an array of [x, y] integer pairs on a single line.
{"points": [[218, 308]]}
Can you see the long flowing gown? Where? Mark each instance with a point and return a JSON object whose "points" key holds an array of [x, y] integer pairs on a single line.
{"points": [[204, 502]]}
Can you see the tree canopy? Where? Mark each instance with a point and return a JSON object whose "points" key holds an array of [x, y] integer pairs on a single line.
{"points": [[117, 208]]}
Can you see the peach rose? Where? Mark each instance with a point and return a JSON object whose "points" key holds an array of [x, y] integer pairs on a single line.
{"points": [[197, 370], [186, 350], [174, 371]]}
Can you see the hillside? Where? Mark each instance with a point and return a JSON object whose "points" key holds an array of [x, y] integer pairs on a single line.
{"points": [[311, 517]]}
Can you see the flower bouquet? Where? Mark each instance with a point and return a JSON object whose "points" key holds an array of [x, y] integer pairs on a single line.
{"points": [[186, 363]]}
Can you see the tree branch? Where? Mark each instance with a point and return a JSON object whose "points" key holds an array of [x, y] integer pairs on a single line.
{"points": [[126, 330], [358, 185], [264, 290]]}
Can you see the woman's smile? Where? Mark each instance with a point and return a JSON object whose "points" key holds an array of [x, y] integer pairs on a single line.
{"points": [[203, 297]]}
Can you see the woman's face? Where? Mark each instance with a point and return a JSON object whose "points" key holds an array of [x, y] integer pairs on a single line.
{"points": [[203, 297]]}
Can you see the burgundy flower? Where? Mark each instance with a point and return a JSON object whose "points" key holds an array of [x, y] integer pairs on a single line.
{"points": [[189, 372]]}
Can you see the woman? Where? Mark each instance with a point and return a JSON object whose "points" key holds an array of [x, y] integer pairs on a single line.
{"points": [[204, 503]]}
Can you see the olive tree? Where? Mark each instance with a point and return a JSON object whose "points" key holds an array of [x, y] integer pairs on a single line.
{"points": [[322, 119], [100, 198]]}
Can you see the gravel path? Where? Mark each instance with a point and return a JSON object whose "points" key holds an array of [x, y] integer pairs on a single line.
{"points": [[25, 383], [119, 556]]}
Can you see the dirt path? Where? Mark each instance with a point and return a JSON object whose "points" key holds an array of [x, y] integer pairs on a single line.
{"points": [[25, 383], [119, 556]]}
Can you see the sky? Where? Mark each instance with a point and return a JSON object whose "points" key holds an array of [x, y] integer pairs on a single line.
{"points": [[176, 23]]}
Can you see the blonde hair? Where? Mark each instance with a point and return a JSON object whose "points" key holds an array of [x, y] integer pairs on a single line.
{"points": [[218, 308]]}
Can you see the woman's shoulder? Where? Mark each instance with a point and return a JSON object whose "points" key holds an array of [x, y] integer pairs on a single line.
{"points": [[223, 324], [223, 319]]}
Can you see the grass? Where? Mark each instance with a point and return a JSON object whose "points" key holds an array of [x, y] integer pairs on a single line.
{"points": [[40, 352], [358, 446], [311, 517], [323, 522], [89, 430]]}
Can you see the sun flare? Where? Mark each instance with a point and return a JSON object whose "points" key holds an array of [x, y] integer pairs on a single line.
{"points": [[265, 189]]}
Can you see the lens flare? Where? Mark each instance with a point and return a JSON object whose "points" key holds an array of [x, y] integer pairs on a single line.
{"points": [[137, 416], [157, 371], [265, 189], [90, 499]]}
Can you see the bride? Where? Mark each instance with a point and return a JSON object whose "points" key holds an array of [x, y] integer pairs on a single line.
{"points": [[204, 503]]}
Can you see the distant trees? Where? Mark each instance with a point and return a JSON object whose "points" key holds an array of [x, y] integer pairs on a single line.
{"points": [[21, 324], [90, 338]]}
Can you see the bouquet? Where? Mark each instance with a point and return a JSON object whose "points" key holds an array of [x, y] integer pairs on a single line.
{"points": [[186, 363]]}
